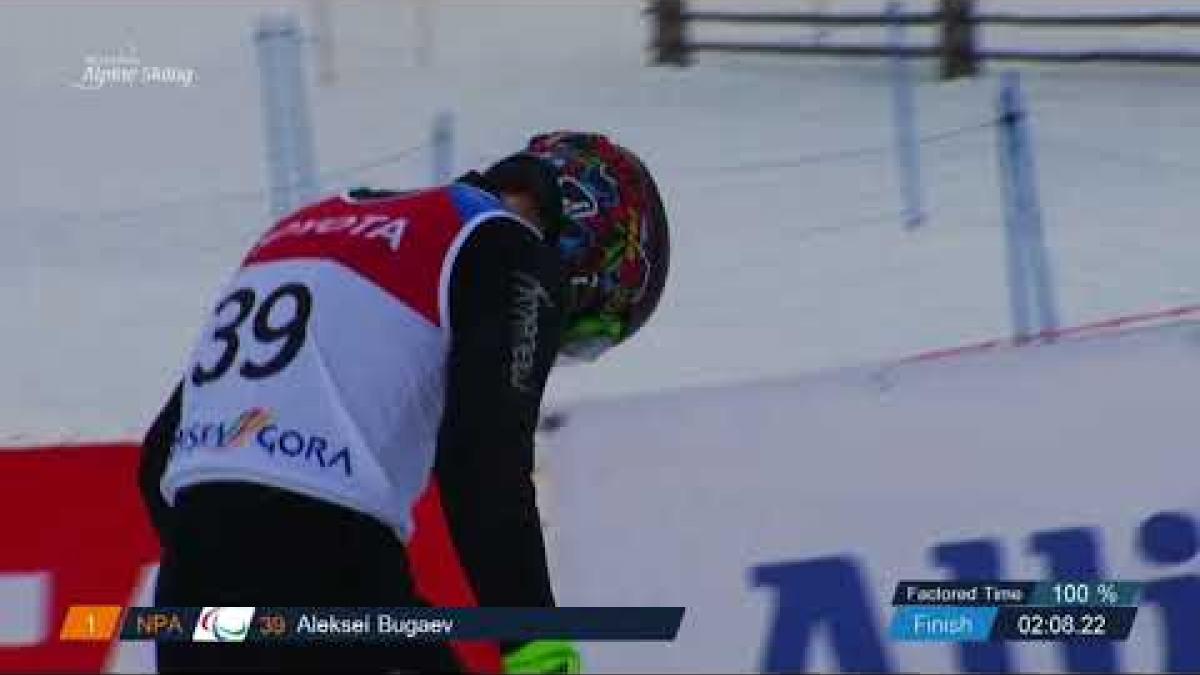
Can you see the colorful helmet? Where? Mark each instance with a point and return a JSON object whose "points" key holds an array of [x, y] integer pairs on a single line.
{"points": [[612, 236]]}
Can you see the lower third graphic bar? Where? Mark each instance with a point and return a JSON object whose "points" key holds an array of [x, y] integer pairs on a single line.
{"points": [[399, 624]]}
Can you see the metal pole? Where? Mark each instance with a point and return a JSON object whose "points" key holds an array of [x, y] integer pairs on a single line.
{"points": [[1045, 297], [904, 115], [291, 164], [443, 148], [1031, 291], [304, 170], [1018, 278], [268, 63]]}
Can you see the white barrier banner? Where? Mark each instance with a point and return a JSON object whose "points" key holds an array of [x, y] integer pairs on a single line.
{"points": [[781, 515]]}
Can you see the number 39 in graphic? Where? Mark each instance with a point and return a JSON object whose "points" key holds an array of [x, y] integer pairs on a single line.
{"points": [[290, 334]]}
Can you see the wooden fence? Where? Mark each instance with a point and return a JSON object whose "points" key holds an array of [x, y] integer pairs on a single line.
{"points": [[956, 50]]}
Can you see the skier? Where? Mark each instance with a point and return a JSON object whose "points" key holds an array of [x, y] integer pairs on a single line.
{"points": [[381, 346]]}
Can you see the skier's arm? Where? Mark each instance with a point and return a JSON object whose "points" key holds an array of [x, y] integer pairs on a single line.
{"points": [[506, 328], [156, 449]]}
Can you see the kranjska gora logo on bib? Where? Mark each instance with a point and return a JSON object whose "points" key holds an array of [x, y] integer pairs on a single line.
{"points": [[258, 428], [223, 624]]}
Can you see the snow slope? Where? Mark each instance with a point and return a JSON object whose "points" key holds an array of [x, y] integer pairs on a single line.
{"points": [[125, 207]]}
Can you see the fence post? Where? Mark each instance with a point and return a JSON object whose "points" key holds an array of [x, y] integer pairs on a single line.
{"points": [[904, 113], [291, 167], [443, 148], [670, 33], [1031, 290], [958, 39]]}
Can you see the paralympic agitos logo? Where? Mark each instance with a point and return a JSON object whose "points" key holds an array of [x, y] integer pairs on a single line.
{"points": [[223, 624], [257, 426]]}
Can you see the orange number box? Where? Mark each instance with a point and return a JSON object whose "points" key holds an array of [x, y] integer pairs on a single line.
{"points": [[90, 622]]}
